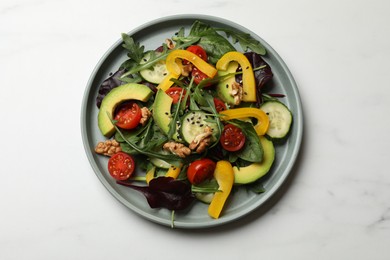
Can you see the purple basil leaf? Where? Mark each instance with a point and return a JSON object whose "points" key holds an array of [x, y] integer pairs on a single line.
{"points": [[165, 192]]}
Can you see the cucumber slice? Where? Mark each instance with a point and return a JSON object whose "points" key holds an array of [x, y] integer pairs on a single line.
{"points": [[159, 163], [280, 118], [194, 123], [204, 197], [156, 73]]}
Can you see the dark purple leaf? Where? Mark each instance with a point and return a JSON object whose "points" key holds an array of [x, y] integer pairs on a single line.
{"points": [[165, 192], [108, 84], [112, 82], [262, 76]]}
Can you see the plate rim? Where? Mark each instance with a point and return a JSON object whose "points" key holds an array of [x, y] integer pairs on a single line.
{"points": [[167, 222]]}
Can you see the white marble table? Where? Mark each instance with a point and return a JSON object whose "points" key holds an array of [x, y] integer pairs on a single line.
{"points": [[336, 205]]}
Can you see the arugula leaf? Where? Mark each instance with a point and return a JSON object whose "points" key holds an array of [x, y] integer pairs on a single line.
{"points": [[208, 186], [173, 124], [155, 58], [210, 101], [173, 159], [245, 40], [135, 51]]}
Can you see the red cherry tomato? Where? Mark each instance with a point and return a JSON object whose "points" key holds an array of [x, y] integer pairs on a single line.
{"points": [[200, 170], [219, 105], [232, 138], [128, 115], [175, 92], [198, 50], [198, 75], [121, 166]]}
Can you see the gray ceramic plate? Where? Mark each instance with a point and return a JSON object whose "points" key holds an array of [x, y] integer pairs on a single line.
{"points": [[242, 202]]}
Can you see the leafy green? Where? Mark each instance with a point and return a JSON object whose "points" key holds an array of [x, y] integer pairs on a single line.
{"points": [[210, 101], [256, 187], [209, 39], [207, 186], [252, 150], [136, 53], [173, 123], [245, 40], [147, 147], [135, 50]]}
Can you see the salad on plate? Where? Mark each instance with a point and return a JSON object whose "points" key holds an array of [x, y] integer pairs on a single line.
{"points": [[193, 119]]}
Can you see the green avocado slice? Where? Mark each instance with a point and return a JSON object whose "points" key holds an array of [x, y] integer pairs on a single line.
{"points": [[130, 91], [255, 171], [224, 87], [162, 110]]}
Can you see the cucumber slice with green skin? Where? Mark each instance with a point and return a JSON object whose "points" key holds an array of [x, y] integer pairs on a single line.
{"points": [[155, 74], [159, 163], [204, 197], [280, 119], [194, 123]]}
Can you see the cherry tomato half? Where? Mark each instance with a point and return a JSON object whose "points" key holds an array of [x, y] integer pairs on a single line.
{"points": [[232, 138], [219, 105], [200, 170], [175, 92], [198, 50], [121, 166], [198, 75], [128, 115]]}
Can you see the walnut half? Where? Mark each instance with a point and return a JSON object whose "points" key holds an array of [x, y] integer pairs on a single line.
{"points": [[201, 141], [177, 148], [236, 92], [146, 114], [108, 147]]}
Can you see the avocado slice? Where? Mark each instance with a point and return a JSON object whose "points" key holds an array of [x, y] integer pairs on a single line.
{"points": [[162, 110], [224, 87], [255, 171], [130, 91], [162, 113]]}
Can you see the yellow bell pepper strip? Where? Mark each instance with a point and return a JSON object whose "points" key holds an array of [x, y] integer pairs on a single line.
{"points": [[262, 124], [248, 77], [197, 61], [150, 174], [224, 175], [166, 83], [173, 171]]}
